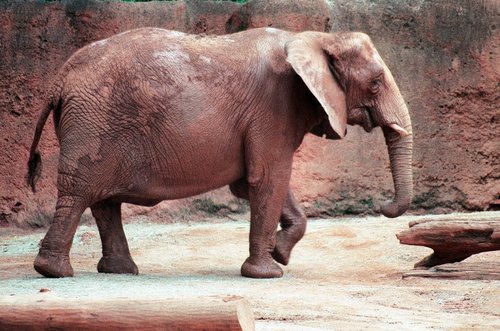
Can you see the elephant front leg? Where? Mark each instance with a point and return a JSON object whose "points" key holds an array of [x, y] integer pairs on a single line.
{"points": [[116, 256], [293, 223], [266, 201], [292, 220]]}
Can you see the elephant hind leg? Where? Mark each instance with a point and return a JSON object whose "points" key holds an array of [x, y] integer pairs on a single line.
{"points": [[53, 257], [116, 256]]}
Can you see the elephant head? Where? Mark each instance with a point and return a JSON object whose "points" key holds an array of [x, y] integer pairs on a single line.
{"points": [[350, 80]]}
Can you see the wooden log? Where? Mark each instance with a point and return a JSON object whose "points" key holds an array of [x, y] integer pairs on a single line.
{"points": [[192, 314], [462, 270], [453, 239]]}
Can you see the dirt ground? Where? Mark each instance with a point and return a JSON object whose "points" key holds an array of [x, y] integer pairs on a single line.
{"points": [[346, 274]]}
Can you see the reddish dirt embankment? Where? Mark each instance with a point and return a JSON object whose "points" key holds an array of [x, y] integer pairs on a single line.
{"points": [[444, 57]]}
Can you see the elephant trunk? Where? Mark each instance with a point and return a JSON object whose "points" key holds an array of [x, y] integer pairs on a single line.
{"points": [[400, 155]]}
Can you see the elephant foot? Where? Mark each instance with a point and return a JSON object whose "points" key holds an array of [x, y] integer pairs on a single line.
{"points": [[117, 265], [261, 268], [53, 266], [283, 248]]}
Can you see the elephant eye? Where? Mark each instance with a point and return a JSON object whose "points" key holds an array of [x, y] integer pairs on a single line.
{"points": [[375, 85]]}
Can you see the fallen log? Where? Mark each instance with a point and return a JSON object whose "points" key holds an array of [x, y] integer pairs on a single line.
{"points": [[192, 314], [462, 270], [453, 238]]}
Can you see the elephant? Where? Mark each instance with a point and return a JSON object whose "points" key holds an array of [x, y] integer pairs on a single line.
{"points": [[152, 114]]}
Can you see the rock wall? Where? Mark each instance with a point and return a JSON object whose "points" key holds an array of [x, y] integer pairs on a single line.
{"points": [[444, 56]]}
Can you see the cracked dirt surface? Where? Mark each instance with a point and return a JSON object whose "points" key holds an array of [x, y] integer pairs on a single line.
{"points": [[344, 275]]}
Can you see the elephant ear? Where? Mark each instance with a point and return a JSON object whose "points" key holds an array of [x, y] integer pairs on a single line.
{"points": [[310, 62]]}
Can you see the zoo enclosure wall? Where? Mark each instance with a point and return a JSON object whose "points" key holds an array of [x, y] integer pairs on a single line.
{"points": [[444, 56]]}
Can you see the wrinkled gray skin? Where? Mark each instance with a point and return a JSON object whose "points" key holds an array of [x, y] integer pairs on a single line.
{"points": [[151, 114]]}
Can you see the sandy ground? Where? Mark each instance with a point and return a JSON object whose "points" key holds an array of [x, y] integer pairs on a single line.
{"points": [[344, 275]]}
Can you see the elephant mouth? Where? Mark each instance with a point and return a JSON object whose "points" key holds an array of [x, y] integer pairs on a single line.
{"points": [[368, 123]]}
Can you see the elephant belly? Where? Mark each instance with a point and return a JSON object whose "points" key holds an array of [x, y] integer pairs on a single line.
{"points": [[197, 182], [186, 172]]}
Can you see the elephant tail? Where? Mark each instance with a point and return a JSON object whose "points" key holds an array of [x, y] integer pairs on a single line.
{"points": [[35, 160]]}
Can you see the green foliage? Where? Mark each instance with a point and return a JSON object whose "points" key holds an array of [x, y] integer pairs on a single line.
{"points": [[361, 207], [208, 206], [342, 207], [41, 219], [145, 0], [238, 1]]}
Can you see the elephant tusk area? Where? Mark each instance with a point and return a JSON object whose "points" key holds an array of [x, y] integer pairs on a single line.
{"points": [[402, 132]]}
